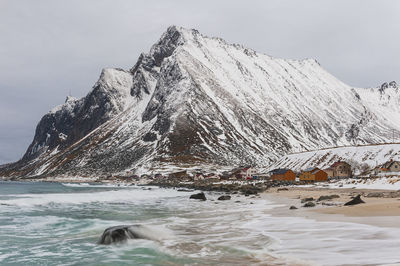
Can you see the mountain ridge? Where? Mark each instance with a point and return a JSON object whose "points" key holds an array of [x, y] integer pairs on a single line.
{"points": [[195, 100]]}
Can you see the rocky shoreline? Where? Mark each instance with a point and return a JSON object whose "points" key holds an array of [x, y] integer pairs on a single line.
{"points": [[246, 188]]}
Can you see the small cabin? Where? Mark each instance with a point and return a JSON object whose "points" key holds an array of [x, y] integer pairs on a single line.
{"points": [[387, 168], [243, 172], [313, 174], [212, 176], [249, 172], [392, 166], [339, 169], [198, 176], [282, 175]]}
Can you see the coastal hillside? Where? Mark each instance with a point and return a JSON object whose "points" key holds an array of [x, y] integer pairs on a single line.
{"points": [[370, 155], [194, 100]]}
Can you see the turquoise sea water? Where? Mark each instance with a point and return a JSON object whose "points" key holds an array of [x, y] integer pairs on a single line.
{"points": [[56, 224], [59, 224]]}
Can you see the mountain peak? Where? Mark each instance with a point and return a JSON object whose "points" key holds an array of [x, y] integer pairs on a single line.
{"points": [[169, 41], [70, 99], [387, 85]]}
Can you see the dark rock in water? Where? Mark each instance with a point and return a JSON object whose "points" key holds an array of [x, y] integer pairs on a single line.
{"points": [[354, 201], [184, 190], [238, 201], [250, 190], [224, 197], [292, 208], [328, 197], [200, 196], [307, 199], [120, 234], [282, 189], [309, 204]]}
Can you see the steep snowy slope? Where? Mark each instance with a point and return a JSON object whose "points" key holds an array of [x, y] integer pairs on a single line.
{"points": [[194, 100], [372, 155], [383, 101]]}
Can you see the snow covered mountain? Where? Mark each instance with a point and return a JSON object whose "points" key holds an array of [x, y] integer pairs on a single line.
{"points": [[195, 100]]}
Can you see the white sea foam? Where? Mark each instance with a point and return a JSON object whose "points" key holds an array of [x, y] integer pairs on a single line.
{"points": [[328, 243], [87, 185], [115, 196], [211, 230]]}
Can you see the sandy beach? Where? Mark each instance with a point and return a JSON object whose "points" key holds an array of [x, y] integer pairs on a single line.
{"points": [[378, 211]]}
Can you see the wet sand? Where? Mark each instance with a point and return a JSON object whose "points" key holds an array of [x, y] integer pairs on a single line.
{"points": [[383, 212]]}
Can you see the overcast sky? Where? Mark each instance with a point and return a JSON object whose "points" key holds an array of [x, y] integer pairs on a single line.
{"points": [[49, 48]]}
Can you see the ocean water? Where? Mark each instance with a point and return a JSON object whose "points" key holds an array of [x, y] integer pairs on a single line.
{"points": [[59, 224]]}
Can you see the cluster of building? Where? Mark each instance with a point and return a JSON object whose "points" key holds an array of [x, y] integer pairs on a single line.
{"points": [[239, 173], [339, 169]]}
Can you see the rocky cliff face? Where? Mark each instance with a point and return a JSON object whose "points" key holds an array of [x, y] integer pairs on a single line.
{"points": [[70, 122], [194, 100]]}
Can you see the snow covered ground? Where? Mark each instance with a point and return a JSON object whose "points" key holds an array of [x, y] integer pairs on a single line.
{"points": [[386, 183]]}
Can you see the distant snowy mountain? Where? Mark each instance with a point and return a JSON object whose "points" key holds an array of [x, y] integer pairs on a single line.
{"points": [[195, 100]]}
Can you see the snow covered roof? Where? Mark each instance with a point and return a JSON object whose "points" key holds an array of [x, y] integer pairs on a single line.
{"points": [[338, 163], [310, 169], [279, 171]]}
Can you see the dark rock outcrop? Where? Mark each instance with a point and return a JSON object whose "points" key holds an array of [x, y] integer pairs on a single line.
{"points": [[184, 190], [120, 234], [282, 189], [309, 204], [200, 196], [375, 195], [307, 199], [224, 197], [293, 208], [328, 197], [356, 200]]}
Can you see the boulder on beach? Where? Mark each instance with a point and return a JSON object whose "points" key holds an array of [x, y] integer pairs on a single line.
{"points": [[292, 207], [328, 197], [309, 204], [394, 194], [375, 195], [282, 189], [200, 196], [307, 199], [250, 191], [224, 197], [356, 200]]}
